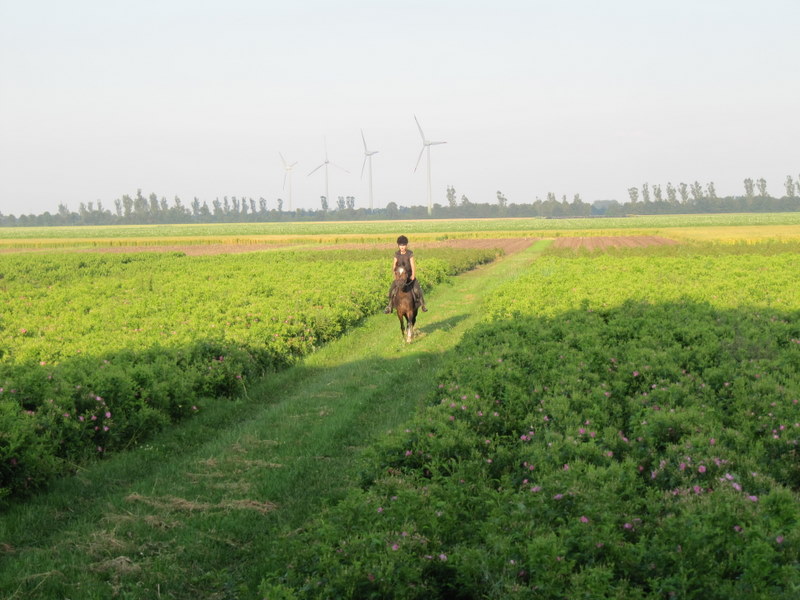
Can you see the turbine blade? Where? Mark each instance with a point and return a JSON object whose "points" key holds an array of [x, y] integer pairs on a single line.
{"points": [[317, 169], [364, 140], [291, 166], [364, 164], [420, 129], [420, 157], [284, 179], [435, 143], [338, 167], [283, 160]]}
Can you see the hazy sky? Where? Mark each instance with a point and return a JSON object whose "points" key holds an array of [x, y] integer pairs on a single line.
{"points": [[99, 98]]}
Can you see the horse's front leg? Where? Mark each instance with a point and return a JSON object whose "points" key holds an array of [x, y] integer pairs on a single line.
{"points": [[409, 332]]}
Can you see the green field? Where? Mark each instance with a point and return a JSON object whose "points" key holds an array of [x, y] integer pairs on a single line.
{"points": [[568, 424]]}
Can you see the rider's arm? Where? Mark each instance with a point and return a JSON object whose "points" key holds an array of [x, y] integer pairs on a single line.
{"points": [[413, 269], [394, 264]]}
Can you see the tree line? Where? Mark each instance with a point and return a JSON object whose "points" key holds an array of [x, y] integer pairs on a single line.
{"points": [[646, 199]]}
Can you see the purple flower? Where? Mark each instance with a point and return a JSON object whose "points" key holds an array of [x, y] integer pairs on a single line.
{"points": [[584, 519]]}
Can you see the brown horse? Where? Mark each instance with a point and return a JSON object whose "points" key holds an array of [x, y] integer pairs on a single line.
{"points": [[403, 302]]}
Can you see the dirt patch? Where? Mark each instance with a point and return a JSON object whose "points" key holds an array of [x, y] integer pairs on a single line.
{"points": [[121, 565], [181, 504], [605, 242]]}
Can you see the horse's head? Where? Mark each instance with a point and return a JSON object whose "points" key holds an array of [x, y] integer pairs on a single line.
{"points": [[400, 274]]}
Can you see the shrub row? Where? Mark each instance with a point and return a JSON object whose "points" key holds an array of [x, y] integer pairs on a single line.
{"points": [[97, 352]]}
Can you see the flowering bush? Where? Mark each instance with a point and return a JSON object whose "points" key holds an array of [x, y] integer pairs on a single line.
{"points": [[628, 450]]}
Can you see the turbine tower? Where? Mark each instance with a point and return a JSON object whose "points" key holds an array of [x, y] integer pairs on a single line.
{"points": [[367, 155], [288, 175], [325, 164], [426, 145]]}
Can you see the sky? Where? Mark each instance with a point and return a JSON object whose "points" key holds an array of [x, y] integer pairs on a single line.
{"points": [[198, 98]]}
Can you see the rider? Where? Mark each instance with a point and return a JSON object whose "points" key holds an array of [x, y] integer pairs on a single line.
{"points": [[405, 258]]}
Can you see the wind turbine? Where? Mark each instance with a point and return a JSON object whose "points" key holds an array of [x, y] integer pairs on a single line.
{"points": [[367, 155], [426, 145], [325, 164], [288, 175]]}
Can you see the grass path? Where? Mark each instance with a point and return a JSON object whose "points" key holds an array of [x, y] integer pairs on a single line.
{"points": [[199, 511]]}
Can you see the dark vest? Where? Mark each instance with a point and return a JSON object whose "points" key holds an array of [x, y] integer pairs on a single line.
{"points": [[404, 260]]}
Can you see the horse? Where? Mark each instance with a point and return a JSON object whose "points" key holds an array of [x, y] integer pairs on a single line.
{"points": [[403, 302]]}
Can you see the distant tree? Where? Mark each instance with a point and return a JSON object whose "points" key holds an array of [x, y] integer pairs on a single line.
{"points": [[672, 193], [127, 206], [683, 190], [634, 194], [645, 192], [350, 202], [749, 188], [324, 202], [117, 207], [797, 185], [139, 205], [245, 207], [451, 196], [196, 206], [226, 206], [465, 201], [218, 210], [761, 184], [163, 206], [340, 204], [252, 206], [711, 191], [697, 190], [262, 206], [551, 197], [789, 186], [502, 202], [280, 205], [154, 206], [392, 211], [657, 192]]}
